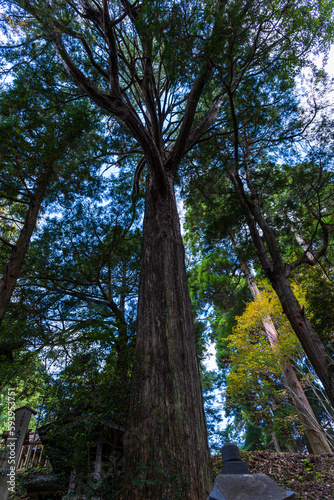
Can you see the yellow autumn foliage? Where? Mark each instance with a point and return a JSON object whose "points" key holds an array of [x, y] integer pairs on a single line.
{"points": [[254, 363]]}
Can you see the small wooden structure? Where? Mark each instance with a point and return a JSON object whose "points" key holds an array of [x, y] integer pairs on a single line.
{"points": [[106, 450], [32, 451], [49, 478], [11, 449]]}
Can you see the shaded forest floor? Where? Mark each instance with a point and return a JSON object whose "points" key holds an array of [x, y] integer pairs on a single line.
{"points": [[311, 477]]}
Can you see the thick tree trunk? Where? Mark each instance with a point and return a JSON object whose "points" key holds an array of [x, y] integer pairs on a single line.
{"points": [[166, 446], [311, 427]]}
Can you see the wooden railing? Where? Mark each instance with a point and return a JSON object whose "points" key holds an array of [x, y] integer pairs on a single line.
{"points": [[32, 452], [32, 455]]}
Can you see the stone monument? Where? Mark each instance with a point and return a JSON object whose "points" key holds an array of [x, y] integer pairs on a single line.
{"points": [[235, 483]]}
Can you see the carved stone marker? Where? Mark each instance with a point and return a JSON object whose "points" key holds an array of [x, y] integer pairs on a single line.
{"points": [[235, 483], [11, 453], [232, 463]]}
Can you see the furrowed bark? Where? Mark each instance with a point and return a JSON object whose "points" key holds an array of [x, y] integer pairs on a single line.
{"points": [[167, 440]]}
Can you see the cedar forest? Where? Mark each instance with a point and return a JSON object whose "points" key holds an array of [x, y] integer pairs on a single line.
{"points": [[116, 116]]}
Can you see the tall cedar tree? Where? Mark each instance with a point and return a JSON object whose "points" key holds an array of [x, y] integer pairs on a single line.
{"points": [[148, 64]]}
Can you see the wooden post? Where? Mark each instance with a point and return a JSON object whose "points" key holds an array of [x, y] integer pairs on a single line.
{"points": [[10, 457]]}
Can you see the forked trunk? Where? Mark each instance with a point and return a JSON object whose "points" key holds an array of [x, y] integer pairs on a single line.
{"points": [[166, 446]]}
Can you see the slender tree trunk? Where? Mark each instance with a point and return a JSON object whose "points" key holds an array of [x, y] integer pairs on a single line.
{"points": [[316, 351], [19, 250], [292, 446], [314, 433], [276, 442], [122, 350], [166, 445], [277, 274], [311, 427]]}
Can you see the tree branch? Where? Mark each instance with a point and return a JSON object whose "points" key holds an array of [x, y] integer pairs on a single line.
{"points": [[187, 122], [205, 124], [11, 245]]}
